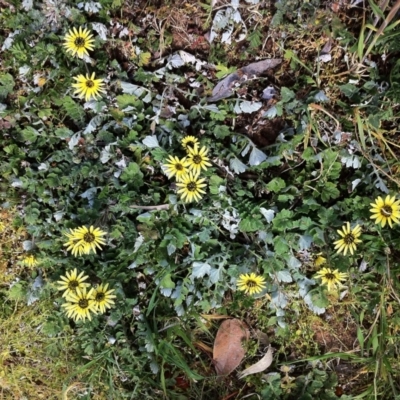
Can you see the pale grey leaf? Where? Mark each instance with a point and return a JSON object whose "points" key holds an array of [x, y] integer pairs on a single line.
{"points": [[363, 266], [175, 61], [271, 112], [355, 183], [284, 276], [138, 243], [237, 166], [27, 245], [268, 214], [215, 275], [256, 157], [305, 242], [151, 141], [58, 215], [101, 29], [294, 263], [259, 366], [200, 269], [321, 96], [74, 140], [250, 106], [27, 5], [171, 249], [268, 93]]}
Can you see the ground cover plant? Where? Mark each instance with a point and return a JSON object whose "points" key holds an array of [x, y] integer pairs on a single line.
{"points": [[199, 200]]}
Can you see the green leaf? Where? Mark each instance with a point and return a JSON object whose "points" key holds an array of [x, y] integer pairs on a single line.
{"points": [[30, 134], [125, 100], [329, 191], [287, 94], [215, 182], [349, 90], [6, 85], [74, 110], [276, 185], [283, 220], [221, 131], [132, 174], [166, 282], [253, 223]]}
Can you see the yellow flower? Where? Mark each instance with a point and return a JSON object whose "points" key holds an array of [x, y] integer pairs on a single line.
{"points": [[251, 283], [349, 239], [88, 87], [80, 304], [176, 167], [385, 211], [191, 187], [83, 240], [30, 261], [198, 159], [71, 282], [188, 142], [331, 278], [103, 298], [78, 42], [318, 260]]}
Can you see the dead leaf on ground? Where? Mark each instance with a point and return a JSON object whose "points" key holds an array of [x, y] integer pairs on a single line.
{"points": [[224, 88], [228, 351], [259, 366]]}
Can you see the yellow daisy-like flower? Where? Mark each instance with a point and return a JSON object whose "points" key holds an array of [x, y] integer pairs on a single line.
{"points": [[318, 260], [88, 87], [176, 167], [30, 261], [251, 283], [386, 211], [78, 42], [80, 304], [191, 187], [188, 142], [349, 239], [331, 278], [83, 240], [103, 298], [71, 282], [198, 159]]}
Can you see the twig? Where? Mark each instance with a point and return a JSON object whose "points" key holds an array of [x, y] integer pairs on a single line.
{"points": [[159, 207]]}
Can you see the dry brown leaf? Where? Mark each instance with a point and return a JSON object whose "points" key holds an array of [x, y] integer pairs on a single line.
{"points": [[228, 351]]}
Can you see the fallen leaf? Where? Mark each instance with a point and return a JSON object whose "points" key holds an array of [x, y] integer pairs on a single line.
{"points": [[225, 87], [228, 351], [259, 366]]}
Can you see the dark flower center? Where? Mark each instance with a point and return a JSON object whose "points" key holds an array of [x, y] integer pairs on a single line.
{"points": [[197, 159], [89, 237], [251, 284], [191, 186], [80, 42], [72, 285], [330, 276], [190, 144], [83, 303], [179, 167], [349, 238], [89, 83], [386, 211], [100, 297]]}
